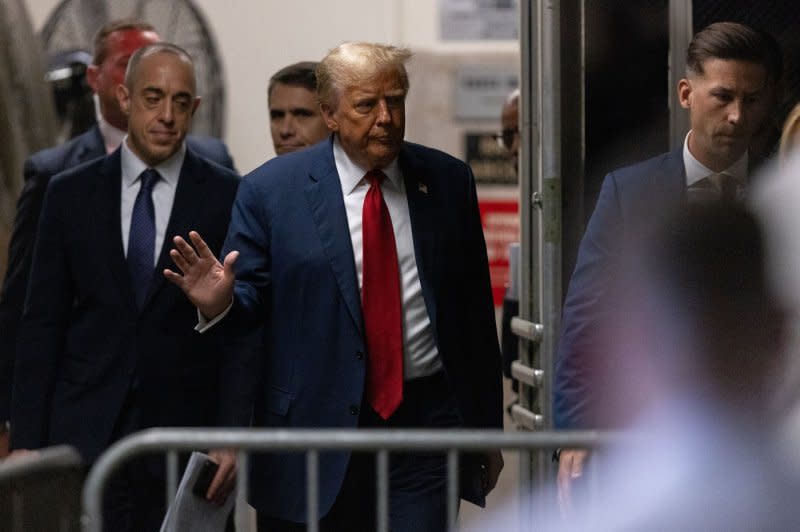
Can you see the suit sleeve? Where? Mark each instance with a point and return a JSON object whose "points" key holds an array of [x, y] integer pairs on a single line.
{"points": [[249, 235], [42, 329], [20, 253], [582, 309]]}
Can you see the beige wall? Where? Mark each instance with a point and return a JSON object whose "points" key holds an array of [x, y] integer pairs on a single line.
{"points": [[257, 37]]}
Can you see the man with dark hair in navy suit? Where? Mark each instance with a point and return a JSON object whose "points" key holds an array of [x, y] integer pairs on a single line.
{"points": [[114, 43], [730, 72], [365, 259], [106, 346]]}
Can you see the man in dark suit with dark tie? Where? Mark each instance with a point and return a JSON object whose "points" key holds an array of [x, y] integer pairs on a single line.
{"points": [[107, 346], [365, 259], [731, 70], [114, 44]]}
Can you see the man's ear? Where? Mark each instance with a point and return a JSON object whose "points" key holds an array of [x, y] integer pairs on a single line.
{"points": [[124, 99], [92, 71], [196, 104], [328, 116], [685, 93]]}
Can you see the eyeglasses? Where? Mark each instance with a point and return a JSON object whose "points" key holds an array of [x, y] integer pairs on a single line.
{"points": [[505, 138]]}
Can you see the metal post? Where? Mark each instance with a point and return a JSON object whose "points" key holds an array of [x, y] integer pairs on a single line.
{"points": [[551, 199], [529, 203], [680, 33], [312, 490], [383, 491], [452, 489], [172, 476], [241, 516]]}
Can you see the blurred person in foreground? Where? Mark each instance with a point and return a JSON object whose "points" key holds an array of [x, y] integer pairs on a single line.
{"points": [[775, 197], [694, 349], [727, 90], [113, 45], [295, 120], [356, 254], [106, 346]]}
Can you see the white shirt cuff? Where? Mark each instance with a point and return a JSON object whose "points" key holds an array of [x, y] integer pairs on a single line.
{"points": [[204, 324]]}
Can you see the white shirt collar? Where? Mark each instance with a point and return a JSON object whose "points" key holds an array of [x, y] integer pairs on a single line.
{"points": [[696, 171], [112, 137], [132, 166], [351, 175]]}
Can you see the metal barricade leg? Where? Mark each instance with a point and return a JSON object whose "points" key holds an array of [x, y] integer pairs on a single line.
{"points": [[312, 490], [383, 490], [172, 476], [241, 516], [452, 489]]}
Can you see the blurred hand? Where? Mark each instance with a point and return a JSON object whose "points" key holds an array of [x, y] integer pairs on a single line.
{"points": [[207, 283], [21, 453], [494, 465], [570, 467], [225, 480]]}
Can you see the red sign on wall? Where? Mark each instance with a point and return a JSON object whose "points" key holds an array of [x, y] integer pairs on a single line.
{"points": [[500, 220]]}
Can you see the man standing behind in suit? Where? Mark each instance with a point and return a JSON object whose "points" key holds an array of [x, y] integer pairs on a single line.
{"points": [[365, 256], [106, 346], [730, 69], [295, 120], [113, 45]]}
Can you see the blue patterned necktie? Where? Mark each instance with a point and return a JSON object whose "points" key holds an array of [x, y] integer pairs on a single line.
{"points": [[142, 237]]}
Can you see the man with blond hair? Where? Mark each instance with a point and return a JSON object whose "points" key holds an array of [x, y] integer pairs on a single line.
{"points": [[365, 254]]}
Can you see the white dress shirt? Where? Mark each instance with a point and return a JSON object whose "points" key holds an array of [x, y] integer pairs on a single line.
{"points": [[163, 192], [420, 354]]}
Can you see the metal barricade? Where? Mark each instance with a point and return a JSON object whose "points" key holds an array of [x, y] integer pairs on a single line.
{"points": [[312, 442], [41, 491]]}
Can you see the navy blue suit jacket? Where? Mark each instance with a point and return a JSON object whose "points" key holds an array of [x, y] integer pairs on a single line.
{"points": [[83, 344], [629, 199], [38, 170], [296, 273]]}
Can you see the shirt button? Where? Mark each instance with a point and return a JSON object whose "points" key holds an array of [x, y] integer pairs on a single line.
{"points": [[353, 410]]}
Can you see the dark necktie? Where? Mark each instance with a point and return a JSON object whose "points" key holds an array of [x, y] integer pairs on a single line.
{"points": [[142, 237], [728, 188], [381, 305]]}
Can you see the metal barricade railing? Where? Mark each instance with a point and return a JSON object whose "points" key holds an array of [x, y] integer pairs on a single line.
{"points": [[312, 442], [41, 491]]}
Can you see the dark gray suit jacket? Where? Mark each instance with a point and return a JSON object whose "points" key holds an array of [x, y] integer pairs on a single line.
{"points": [[84, 345], [38, 170]]}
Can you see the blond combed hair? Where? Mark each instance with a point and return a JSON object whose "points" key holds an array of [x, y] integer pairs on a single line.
{"points": [[352, 63]]}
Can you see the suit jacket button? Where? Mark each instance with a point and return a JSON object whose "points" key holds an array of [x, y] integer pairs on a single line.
{"points": [[360, 355], [353, 410]]}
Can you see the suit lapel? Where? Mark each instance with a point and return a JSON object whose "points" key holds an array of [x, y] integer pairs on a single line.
{"points": [[188, 200], [109, 225], [421, 191], [323, 192], [669, 183]]}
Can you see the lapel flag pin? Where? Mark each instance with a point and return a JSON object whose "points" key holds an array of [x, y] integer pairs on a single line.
{"points": [[423, 188]]}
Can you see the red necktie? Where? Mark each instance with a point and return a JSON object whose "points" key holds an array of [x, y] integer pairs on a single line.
{"points": [[380, 300]]}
